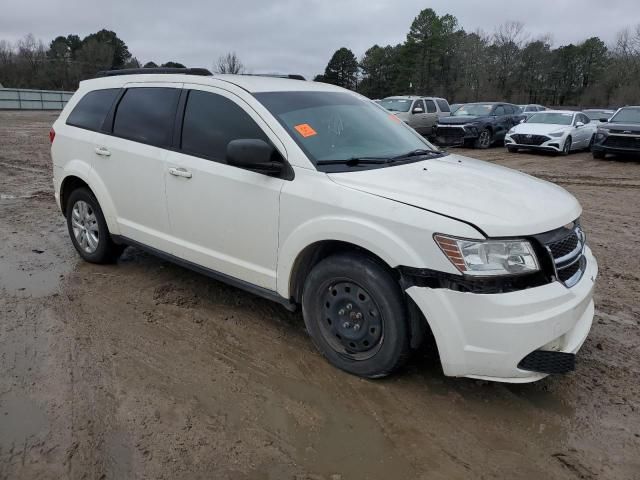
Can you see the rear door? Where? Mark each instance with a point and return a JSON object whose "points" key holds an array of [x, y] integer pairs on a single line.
{"points": [[502, 122], [223, 217], [431, 114], [131, 160]]}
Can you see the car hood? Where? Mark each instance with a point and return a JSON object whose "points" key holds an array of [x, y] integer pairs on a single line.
{"points": [[461, 120], [499, 201], [624, 127], [539, 128]]}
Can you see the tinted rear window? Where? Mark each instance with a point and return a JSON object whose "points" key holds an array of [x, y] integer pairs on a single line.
{"points": [[444, 106], [211, 121], [431, 107], [90, 111], [146, 115]]}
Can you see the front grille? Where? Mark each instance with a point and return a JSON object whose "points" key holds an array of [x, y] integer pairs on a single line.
{"points": [[454, 133], [545, 361], [566, 247], [615, 141], [524, 139]]}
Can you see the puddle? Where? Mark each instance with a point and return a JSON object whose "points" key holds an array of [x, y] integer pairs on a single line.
{"points": [[20, 419], [36, 283]]}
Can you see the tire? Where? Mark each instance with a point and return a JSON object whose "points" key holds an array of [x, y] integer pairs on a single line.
{"points": [[345, 290], [591, 142], [598, 154], [88, 229], [484, 140], [566, 149], [513, 149]]}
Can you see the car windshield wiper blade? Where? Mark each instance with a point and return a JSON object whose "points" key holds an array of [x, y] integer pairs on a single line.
{"points": [[415, 153], [354, 161]]}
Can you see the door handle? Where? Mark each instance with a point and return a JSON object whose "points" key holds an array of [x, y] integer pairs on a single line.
{"points": [[180, 172], [102, 151]]}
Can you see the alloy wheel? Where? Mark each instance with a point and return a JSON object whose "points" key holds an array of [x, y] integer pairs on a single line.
{"points": [[85, 226]]}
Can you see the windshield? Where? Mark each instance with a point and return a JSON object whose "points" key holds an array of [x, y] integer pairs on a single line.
{"points": [[597, 114], [396, 104], [627, 115], [341, 126], [473, 109], [552, 118]]}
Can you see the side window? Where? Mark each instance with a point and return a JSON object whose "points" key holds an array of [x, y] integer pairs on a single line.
{"points": [[443, 105], [211, 121], [431, 106], [584, 119], [91, 110], [509, 110], [146, 115], [499, 111], [418, 104]]}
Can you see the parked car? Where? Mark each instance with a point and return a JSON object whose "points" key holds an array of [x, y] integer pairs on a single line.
{"points": [[598, 114], [559, 131], [528, 110], [455, 106], [618, 135], [477, 124], [420, 113], [309, 195]]}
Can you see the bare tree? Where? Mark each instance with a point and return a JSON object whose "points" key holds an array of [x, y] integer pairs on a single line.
{"points": [[229, 63]]}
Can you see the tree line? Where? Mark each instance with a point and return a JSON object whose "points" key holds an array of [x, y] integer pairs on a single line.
{"points": [[440, 58], [67, 60]]}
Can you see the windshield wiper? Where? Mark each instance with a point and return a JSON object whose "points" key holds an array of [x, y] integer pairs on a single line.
{"points": [[415, 153], [354, 161]]}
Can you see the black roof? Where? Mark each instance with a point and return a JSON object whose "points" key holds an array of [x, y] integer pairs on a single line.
{"points": [[139, 71]]}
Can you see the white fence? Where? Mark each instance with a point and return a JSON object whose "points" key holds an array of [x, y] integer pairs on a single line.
{"points": [[23, 99]]}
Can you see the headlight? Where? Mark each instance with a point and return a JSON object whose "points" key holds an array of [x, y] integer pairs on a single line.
{"points": [[511, 130], [489, 257], [556, 134]]}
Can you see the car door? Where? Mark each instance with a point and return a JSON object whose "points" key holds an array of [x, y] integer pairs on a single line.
{"points": [[130, 159], [431, 115], [223, 217], [501, 122], [418, 118], [581, 134]]}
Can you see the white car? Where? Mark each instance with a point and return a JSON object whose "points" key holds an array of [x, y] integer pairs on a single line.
{"points": [[312, 196], [560, 131]]}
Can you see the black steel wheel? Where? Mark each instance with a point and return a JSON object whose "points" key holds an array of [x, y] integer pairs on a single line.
{"points": [[355, 313]]}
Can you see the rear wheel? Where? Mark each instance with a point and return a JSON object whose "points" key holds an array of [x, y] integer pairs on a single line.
{"points": [[484, 140], [354, 311], [88, 228], [566, 149], [592, 141]]}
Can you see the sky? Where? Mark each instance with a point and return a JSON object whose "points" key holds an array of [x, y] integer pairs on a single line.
{"points": [[296, 36]]}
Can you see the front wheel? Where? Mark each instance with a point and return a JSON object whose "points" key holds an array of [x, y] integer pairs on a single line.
{"points": [[484, 139], [566, 150], [512, 149], [88, 228], [354, 311], [598, 154]]}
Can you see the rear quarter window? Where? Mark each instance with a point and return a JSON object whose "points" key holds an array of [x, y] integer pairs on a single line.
{"points": [[146, 115], [91, 110], [444, 106]]}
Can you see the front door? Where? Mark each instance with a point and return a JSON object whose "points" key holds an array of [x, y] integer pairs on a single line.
{"points": [[223, 217]]}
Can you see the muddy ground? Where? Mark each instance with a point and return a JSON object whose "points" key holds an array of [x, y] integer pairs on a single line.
{"points": [[147, 370]]}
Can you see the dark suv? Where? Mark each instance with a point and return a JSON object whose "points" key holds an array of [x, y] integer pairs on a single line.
{"points": [[618, 135], [478, 124]]}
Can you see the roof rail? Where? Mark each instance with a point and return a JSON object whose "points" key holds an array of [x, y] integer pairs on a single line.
{"points": [[141, 71], [292, 76]]}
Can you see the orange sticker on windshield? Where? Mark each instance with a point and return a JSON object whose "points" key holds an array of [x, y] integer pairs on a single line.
{"points": [[305, 130]]}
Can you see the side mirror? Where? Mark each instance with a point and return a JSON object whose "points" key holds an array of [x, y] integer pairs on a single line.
{"points": [[417, 110], [604, 120], [253, 154], [579, 124], [522, 120]]}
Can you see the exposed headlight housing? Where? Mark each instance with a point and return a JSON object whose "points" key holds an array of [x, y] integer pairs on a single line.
{"points": [[556, 134], [489, 257]]}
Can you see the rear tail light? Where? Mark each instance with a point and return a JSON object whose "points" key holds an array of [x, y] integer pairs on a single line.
{"points": [[52, 135]]}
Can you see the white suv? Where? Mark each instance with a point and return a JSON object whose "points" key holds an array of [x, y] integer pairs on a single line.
{"points": [[313, 196]]}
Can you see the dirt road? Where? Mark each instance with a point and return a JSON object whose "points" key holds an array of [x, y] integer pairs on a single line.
{"points": [[147, 370]]}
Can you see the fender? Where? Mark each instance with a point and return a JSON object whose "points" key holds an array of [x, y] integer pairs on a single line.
{"points": [[357, 231], [86, 173]]}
